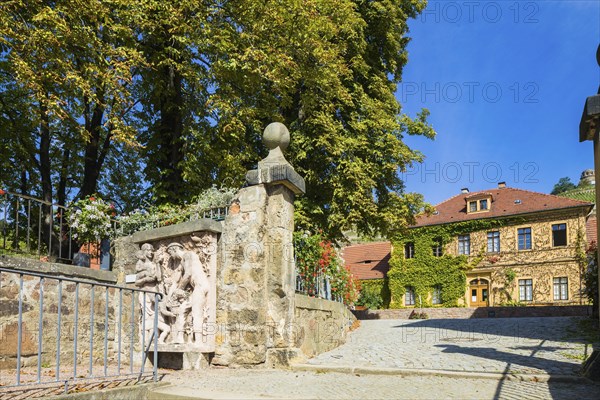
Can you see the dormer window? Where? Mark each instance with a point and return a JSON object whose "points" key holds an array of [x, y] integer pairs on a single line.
{"points": [[479, 202], [472, 206]]}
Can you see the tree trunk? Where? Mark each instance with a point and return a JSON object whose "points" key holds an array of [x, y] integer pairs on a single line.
{"points": [[170, 131], [64, 175], [45, 176]]}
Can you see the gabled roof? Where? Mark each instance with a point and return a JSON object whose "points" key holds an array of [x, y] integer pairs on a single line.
{"points": [[368, 260], [504, 203]]}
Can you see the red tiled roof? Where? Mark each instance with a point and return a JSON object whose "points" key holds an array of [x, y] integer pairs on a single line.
{"points": [[591, 229], [503, 205], [368, 260]]}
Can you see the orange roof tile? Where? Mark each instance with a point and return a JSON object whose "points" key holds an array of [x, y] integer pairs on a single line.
{"points": [[368, 260], [504, 203]]}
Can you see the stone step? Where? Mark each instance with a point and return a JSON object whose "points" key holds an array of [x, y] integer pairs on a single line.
{"points": [[183, 393]]}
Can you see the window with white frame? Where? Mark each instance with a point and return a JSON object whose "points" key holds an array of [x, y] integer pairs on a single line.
{"points": [[464, 244], [493, 242], [409, 296], [561, 288], [436, 297], [437, 248], [409, 250], [525, 289]]}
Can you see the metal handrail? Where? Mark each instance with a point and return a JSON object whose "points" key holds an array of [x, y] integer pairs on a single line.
{"points": [[215, 213], [45, 235], [93, 285]]}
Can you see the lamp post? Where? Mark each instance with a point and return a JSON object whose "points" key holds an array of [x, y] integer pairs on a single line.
{"points": [[589, 129]]}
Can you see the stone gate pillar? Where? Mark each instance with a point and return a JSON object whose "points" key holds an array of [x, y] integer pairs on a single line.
{"points": [[256, 278]]}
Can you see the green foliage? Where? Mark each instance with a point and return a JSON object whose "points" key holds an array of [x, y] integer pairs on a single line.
{"points": [[563, 185], [67, 69], [317, 261], [374, 294], [590, 278], [90, 218], [425, 271], [510, 275], [169, 214], [418, 315], [104, 94], [512, 303]]}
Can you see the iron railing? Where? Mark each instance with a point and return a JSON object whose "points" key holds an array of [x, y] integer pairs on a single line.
{"points": [[69, 312], [318, 286], [35, 228], [215, 213]]}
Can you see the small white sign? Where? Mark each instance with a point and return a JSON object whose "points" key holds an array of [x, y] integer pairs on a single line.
{"points": [[130, 278]]}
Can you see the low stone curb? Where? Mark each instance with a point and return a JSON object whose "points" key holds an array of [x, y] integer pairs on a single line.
{"points": [[172, 392], [439, 372]]}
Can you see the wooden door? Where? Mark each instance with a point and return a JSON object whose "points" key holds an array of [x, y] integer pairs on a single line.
{"points": [[479, 293]]}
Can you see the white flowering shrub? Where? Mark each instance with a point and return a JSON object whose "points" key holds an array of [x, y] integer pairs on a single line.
{"points": [[169, 214], [90, 219]]}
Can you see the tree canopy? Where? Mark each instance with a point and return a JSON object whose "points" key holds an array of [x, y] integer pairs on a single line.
{"points": [[155, 101], [563, 185]]}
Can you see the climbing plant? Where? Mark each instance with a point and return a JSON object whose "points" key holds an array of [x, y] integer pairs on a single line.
{"points": [[507, 289], [590, 278], [374, 293], [317, 260], [426, 270]]}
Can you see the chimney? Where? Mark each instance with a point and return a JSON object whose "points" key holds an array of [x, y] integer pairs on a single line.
{"points": [[501, 185], [464, 190]]}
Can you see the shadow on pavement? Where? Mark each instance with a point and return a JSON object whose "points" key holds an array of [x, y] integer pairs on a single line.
{"points": [[458, 334]]}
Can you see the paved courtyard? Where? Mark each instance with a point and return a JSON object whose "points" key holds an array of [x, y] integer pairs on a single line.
{"points": [[520, 358], [253, 384], [554, 346], [447, 359]]}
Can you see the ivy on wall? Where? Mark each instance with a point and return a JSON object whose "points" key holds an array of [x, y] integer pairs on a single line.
{"points": [[425, 270], [374, 294]]}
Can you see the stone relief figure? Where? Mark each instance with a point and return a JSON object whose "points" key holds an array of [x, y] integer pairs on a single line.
{"points": [[192, 273], [182, 273], [147, 277], [179, 302]]}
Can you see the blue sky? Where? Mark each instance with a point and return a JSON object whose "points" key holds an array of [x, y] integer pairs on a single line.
{"points": [[505, 82]]}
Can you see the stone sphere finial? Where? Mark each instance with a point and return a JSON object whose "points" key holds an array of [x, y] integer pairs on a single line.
{"points": [[276, 135]]}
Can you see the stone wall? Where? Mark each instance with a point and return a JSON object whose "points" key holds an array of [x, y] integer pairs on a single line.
{"points": [[48, 291], [478, 312], [320, 325]]}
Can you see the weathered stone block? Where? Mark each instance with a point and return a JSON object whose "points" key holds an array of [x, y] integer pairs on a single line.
{"points": [[10, 292], [11, 307], [9, 342]]}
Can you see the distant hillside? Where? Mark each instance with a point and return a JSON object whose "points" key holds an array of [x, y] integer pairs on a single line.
{"points": [[587, 193]]}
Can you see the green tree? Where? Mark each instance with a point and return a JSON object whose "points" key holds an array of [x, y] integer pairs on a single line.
{"points": [[74, 62], [563, 185], [329, 71], [173, 92], [196, 82]]}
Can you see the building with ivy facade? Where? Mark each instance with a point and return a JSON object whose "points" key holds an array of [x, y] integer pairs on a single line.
{"points": [[502, 246]]}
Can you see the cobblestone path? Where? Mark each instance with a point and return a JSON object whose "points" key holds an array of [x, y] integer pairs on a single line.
{"points": [[503, 345], [519, 349], [252, 384]]}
